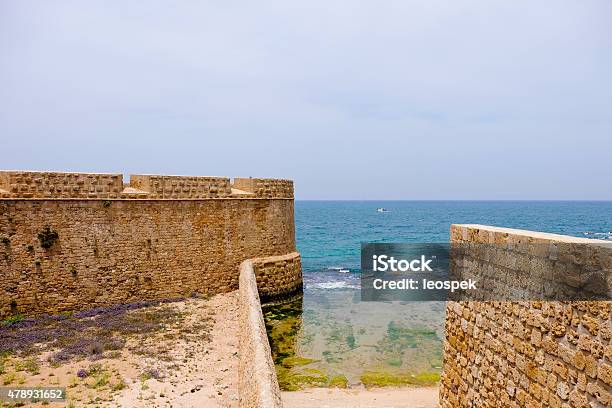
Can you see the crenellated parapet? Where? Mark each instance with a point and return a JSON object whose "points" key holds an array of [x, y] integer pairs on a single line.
{"points": [[39, 184], [265, 188], [100, 186], [179, 187]]}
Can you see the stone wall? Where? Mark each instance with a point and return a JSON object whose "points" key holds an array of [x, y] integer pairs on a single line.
{"points": [[265, 187], [60, 253], [529, 353], [258, 384], [29, 184], [175, 187], [40, 184], [279, 278]]}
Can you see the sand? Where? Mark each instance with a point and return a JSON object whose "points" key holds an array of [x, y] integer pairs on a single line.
{"points": [[191, 362], [207, 376], [359, 397]]}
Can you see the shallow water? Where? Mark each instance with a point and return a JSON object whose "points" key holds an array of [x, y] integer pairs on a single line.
{"points": [[331, 338], [349, 338]]}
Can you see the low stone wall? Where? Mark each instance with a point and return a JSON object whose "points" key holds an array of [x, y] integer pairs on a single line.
{"points": [[257, 382], [529, 353], [279, 278]]}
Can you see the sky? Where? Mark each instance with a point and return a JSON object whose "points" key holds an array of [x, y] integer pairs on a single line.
{"points": [[351, 99]]}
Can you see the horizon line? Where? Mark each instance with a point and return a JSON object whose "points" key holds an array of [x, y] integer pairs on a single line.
{"points": [[457, 200]]}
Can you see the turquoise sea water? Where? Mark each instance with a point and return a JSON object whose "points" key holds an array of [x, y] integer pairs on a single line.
{"points": [[371, 342], [329, 232]]}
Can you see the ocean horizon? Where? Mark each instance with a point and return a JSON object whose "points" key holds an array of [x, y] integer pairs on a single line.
{"points": [[329, 232]]}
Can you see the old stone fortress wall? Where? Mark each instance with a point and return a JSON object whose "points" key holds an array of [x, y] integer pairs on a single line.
{"points": [[73, 241], [530, 353]]}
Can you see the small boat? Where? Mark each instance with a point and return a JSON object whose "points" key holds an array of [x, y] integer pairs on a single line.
{"points": [[381, 209], [343, 270]]}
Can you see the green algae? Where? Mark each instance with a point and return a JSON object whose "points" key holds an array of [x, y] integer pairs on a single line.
{"points": [[343, 337], [283, 323], [385, 379], [297, 361], [394, 362], [331, 357], [289, 380], [400, 337], [400, 340], [339, 381], [350, 341], [315, 344], [427, 378], [316, 372]]}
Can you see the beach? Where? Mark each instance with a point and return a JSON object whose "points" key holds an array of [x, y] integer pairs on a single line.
{"points": [[405, 397]]}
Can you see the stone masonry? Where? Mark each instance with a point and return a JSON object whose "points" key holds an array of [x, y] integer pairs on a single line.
{"points": [[73, 241], [529, 353]]}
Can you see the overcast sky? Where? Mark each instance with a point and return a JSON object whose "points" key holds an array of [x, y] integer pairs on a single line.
{"points": [[353, 100]]}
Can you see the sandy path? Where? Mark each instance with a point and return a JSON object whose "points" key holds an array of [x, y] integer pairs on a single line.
{"points": [[207, 375], [186, 356], [406, 397]]}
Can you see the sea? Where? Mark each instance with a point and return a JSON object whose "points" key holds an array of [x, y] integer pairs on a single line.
{"points": [[331, 337]]}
